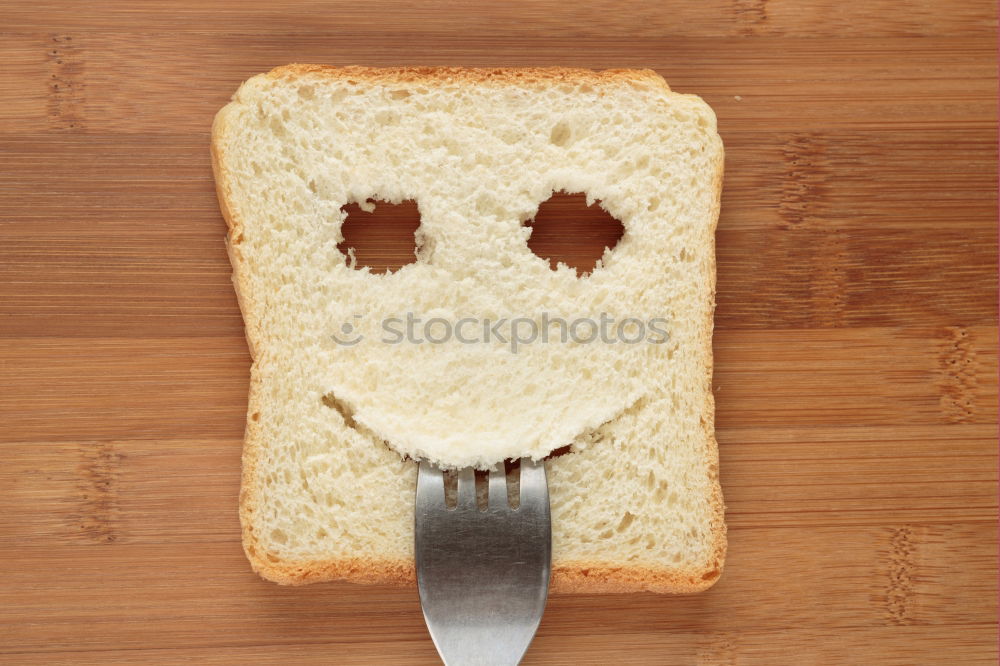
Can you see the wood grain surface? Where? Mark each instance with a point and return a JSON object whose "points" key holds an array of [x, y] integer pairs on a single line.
{"points": [[856, 331]]}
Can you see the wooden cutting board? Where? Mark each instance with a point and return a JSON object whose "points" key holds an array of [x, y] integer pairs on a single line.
{"points": [[856, 355]]}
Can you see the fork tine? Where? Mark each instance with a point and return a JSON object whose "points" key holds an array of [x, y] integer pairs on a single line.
{"points": [[534, 485], [430, 487], [498, 488], [467, 488]]}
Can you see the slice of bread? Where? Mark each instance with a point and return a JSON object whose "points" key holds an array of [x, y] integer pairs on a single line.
{"points": [[339, 407]]}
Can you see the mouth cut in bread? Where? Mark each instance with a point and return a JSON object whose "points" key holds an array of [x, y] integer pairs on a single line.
{"points": [[358, 374]]}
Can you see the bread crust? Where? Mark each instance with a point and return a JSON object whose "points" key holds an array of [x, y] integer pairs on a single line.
{"points": [[567, 577], [471, 75]]}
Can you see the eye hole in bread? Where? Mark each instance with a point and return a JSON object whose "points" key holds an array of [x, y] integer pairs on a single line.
{"points": [[566, 230], [380, 235]]}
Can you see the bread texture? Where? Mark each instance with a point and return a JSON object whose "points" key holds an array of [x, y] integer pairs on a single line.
{"points": [[333, 427]]}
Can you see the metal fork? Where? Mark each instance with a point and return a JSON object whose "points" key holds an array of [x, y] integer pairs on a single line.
{"points": [[483, 576]]}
